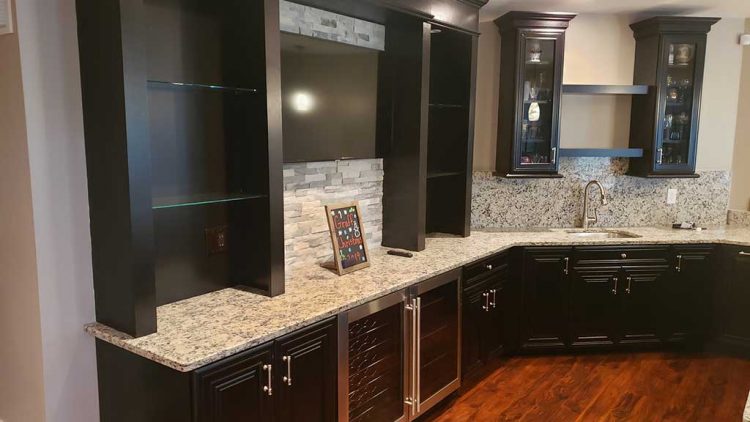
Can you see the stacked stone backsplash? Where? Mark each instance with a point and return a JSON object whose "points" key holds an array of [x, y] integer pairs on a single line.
{"points": [[633, 201], [310, 186]]}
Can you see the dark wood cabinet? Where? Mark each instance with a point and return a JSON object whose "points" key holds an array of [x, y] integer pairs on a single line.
{"points": [[292, 379], [641, 289], [484, 304], [306, 375], [594, 306], [546, 291], [669, 57], [531, 65], [734, 300], [236, 389], [687, 295]]}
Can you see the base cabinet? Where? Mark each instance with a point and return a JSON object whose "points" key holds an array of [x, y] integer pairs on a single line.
{"points": [[292, 379], [734, 300], [483, 325], [544, 318], [688, 294]]}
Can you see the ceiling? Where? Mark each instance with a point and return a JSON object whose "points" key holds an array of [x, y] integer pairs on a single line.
{"points": [[635, 8]]}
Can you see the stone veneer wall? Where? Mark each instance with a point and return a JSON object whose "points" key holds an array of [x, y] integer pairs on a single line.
{"points": [[738, 218], [310, 186], [633, 201]]}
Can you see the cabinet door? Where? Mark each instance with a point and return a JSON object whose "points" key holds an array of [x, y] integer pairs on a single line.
{"points": [[544, 320], [437, 340], [306, 368], [594, 306], [734, 324], [679, 103], [642, 313], [537, 109], [688, 294], [474, 323], [494, 329], [235, 389]]}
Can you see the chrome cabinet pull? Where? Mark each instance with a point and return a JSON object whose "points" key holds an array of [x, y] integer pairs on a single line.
{"points": [[288, 377], [489, 267], [623, 255], [268, 388], [486, 306], [679, 264], [412, 400], [493, 303], [418, 353], [743, 253], [660, 156], [554, 155], [614, 291], [630, 281], [566, 270]]}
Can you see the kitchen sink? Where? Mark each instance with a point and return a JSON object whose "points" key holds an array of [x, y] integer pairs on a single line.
{"points": [[601, 234]]}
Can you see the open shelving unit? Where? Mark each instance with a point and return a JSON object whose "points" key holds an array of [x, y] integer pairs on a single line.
{"points": [[182, 126]]}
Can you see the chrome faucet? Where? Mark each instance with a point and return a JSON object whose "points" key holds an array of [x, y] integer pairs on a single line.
{"points": [[586, 207]]}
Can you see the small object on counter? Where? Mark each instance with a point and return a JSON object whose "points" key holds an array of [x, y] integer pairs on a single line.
{"points": [[347, 237], [400, 253], [684, 225]]}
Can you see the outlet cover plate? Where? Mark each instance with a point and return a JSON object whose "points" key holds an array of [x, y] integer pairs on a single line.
{"points": [[671, 196]]}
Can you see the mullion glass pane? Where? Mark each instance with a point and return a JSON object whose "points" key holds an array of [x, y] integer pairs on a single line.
{"points": [[538, 79], [678, 109]]}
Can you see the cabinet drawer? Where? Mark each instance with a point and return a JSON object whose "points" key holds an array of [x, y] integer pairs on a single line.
{"points": [[621, 255], [480, 270]]}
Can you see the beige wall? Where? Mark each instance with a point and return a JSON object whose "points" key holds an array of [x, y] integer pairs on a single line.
{"points": [[21, 379], [740, 194], [600, 50]]}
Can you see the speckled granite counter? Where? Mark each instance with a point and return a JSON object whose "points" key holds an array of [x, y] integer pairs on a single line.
{"points": [[197, 331]]}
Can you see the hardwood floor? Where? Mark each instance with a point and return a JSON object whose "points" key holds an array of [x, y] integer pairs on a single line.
{"points": [[604, 387]]}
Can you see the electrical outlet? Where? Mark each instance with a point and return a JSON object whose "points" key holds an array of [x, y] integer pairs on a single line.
{"points": [[216, 239], [671, 196]]}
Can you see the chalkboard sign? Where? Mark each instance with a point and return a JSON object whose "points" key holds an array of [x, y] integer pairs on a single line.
{"points": [[347, 237]]}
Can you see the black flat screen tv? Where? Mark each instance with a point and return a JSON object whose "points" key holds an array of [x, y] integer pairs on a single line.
{"points": [[329, 95]]}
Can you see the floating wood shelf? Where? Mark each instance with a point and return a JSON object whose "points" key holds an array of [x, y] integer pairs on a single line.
{"points": [[601, 152], [606, 89]]}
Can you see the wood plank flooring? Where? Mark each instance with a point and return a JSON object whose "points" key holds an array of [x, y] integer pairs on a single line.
{"points": [[605, 387]]}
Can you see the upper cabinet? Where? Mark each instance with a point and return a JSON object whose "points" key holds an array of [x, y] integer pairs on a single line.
{"points": [[669, 55], [531, 65]]}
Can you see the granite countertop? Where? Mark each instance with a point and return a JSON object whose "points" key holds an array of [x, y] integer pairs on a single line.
{"points": [[204, 329]]}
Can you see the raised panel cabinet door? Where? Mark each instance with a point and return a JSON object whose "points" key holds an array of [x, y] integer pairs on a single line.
{"points": [[544, 319], [594, 306], [306, 363], [236, 389], [688, 295], [642, 303], [735, 316]]}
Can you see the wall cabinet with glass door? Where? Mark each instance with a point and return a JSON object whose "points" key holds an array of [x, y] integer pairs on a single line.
{"points": [[670, 54], [531, 64]]}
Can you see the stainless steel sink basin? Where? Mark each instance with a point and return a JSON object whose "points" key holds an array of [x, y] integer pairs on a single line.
{"points": [[601, 234]]}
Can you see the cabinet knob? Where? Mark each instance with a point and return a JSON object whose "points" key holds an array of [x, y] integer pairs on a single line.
{"points": [[623, 255], [489, 267]]}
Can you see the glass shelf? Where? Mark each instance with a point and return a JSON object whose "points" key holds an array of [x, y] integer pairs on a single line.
{"points": [[166, 84], [447, 105], [201, 199]]}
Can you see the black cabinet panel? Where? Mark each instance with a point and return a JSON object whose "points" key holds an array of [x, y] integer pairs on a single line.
{"points": [[594, 306], [306, 368], [235, 389], [687, 297], [545, 297], [438, 334], [734, 299], [642, 290]]}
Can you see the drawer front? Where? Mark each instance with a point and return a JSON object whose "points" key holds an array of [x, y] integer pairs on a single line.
{"points": [[479, 271], [621, 255]]}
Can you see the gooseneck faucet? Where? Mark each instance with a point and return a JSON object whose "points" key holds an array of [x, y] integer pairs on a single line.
{"points": [[587, 219]]}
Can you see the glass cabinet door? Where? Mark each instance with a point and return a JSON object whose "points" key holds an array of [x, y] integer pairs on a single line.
{"points": [[676, 138], [537, 129]]}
